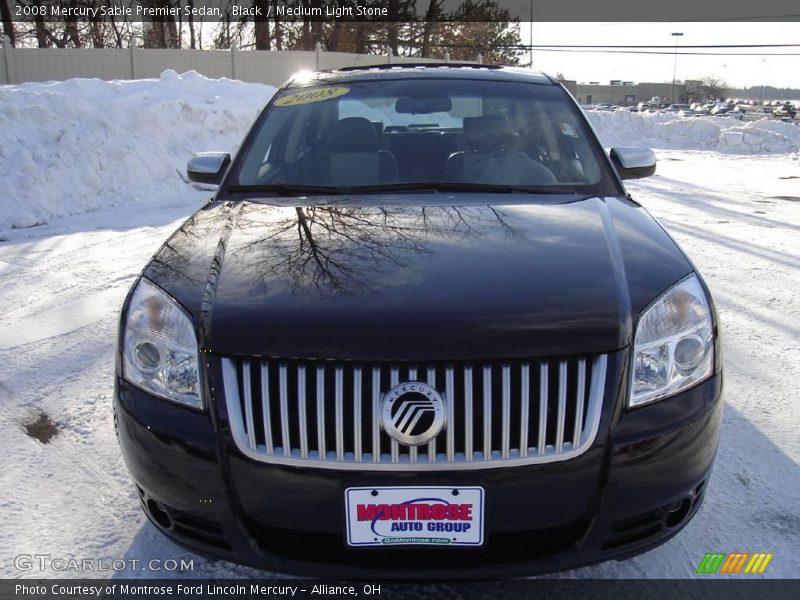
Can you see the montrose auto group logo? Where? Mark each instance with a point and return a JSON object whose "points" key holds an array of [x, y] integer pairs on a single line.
{"points": [[415, 520]]}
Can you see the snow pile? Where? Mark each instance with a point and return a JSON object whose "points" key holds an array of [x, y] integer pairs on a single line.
{"points": [[665, 131], [72, 146]]}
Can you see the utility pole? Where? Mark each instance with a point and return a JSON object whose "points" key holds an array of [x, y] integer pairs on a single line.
{"points": [[530, 41], [676, 35]]}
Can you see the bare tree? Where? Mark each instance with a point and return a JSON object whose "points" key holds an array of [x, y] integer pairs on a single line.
{"points": [[192, 40], [714, 87], [161, 31], [434, 10], [8, 25], [71, 34], [262, 33]]}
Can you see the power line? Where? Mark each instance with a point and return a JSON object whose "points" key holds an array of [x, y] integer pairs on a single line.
{"points": [[541, 46], [663, 53], [749, 18], [527, 47], [754, 18]]}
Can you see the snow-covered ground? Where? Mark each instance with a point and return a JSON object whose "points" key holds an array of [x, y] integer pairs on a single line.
{"points": [[737, 214]]}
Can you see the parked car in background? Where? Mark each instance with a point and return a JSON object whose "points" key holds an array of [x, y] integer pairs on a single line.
{"points": [[727, 111], [787, 110], [674, 108], [739, 112]]}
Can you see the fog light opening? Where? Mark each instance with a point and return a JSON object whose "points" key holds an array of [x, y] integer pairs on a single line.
{"points": [[159, 514], [678, 512]]}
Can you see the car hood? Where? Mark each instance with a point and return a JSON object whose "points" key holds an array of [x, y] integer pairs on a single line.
{"points": [[411, 278]]}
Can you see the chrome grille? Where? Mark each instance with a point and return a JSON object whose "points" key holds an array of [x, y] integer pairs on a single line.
{"points": [[498, 413]]}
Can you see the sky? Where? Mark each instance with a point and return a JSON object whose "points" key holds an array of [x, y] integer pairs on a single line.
{"points": [[738, 71]]}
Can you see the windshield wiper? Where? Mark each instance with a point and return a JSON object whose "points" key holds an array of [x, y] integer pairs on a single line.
{"points": [[287, 189], [443, 186]]}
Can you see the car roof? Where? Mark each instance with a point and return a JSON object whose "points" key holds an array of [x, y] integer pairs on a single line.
{"points": [[420, 71]]}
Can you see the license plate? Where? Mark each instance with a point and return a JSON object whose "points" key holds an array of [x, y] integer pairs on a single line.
{"points": [[429, 516]]}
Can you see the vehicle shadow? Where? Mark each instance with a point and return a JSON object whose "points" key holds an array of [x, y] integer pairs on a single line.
{"points": [[771, 255], [750, 506], [704, 200]]}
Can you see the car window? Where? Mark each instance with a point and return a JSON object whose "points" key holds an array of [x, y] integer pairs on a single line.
{"points": [[416, 131]]}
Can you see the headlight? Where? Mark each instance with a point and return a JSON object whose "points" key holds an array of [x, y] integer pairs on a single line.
{"points": [[674, 345], [160, 347]]}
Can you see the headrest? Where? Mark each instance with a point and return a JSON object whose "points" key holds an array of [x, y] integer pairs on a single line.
{"points": [[354, 134], [490, 132]]}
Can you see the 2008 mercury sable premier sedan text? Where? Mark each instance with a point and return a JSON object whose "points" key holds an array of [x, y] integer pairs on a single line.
{"points": [[420, 331]]}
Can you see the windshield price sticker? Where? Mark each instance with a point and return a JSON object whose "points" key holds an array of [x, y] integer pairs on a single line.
{"points": [[311, 96], [438, 516]]}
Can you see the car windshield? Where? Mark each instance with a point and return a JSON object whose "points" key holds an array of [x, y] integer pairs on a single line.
{"points": [[415, 133]]}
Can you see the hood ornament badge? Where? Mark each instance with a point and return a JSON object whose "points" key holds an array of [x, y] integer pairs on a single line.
{"points": [[413, 413]]}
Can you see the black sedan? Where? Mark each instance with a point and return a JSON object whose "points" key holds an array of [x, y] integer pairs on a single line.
{"points": [[421, 330]]}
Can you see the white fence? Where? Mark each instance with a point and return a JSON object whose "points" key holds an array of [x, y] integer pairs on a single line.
{"points": [[18, 65]]}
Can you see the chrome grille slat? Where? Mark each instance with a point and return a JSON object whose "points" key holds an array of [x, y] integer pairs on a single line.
{"points": [[525, 398], [487, 413], [321, 449], [357, 397], [301, 410], [449, 398], [431, 380], [468, 422], [376, 414], [339, 414], [562, 405], [248, 404], [558, 405], [576, 432], [543, 392], [506, 422], [394, 379], [284, 398], [266, 409], [412, 451]]}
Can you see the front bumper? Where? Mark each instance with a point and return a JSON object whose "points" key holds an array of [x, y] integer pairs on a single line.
{"points": [[639, 484]]}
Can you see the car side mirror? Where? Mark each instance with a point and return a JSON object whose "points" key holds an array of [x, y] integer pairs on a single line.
{"points": [[208, 167], [633, 163]]}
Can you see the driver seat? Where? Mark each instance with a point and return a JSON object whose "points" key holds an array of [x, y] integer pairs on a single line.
{"points": [[352, 156], [490, 156]]}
